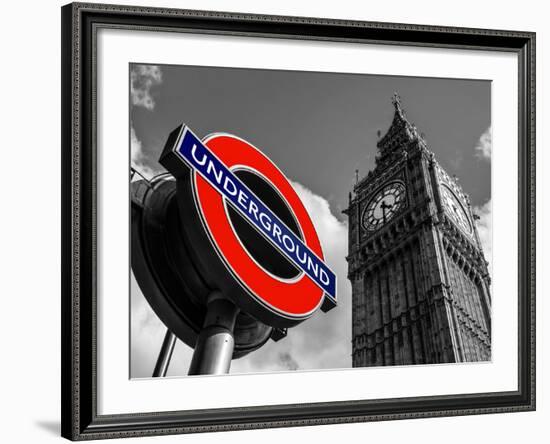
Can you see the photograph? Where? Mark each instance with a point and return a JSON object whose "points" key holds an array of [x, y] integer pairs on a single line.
{"points": [[287, 221]]}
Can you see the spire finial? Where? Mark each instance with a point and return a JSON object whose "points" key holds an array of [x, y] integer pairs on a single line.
{"points": [[396, 100]]}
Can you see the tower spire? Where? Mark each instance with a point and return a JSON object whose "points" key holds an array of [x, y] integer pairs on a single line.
{"points": [[396, 100], [400, 134]]}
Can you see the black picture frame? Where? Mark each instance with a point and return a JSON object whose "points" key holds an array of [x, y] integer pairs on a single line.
{"points": [[80, 419]]}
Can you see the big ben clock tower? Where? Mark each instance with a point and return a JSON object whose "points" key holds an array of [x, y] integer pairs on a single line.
{"points": [[420, 283]]}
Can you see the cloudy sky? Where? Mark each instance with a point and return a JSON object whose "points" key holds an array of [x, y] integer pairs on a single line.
{"points": [[318, 128]]}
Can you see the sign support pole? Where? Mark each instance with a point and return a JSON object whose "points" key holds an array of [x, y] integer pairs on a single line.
{"points": [[215, 344], [165, 354]]}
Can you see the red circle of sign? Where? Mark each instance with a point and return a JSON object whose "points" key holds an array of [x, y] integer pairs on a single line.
{"points": [[293, 298]]}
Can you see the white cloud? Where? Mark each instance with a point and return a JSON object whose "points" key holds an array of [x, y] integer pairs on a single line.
{"points": [[142, 79], [138, 158], [321, 342], [485, 230], [147, 334], [484, 145]]}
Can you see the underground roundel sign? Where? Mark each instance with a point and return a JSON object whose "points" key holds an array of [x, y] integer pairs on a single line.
{"points": [[257, 227]]}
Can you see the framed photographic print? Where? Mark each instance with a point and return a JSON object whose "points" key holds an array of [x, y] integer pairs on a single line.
{"points": [[280, 221]]}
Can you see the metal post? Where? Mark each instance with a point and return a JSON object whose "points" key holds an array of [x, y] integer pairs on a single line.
{"points": [[165, 354], [215, 344]]}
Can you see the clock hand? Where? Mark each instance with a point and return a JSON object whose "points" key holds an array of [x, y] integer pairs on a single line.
{"points": [[384, 206]]}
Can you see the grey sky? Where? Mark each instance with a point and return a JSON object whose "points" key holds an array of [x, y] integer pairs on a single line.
{"points": [[318, 128], [305, 122]]}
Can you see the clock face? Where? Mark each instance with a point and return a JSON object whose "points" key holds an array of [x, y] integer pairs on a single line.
{"points": [[384, 205], [455, 209]]}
